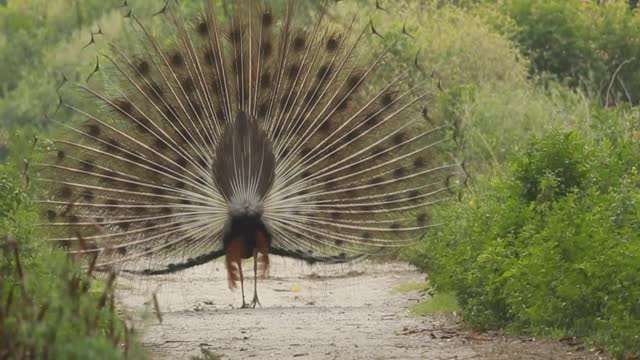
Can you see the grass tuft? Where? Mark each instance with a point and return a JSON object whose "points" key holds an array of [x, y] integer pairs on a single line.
{"points": [[438, 304], [410, 286]]}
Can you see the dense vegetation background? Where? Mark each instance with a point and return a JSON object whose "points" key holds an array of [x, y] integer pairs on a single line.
{"points": [[545, 240]]}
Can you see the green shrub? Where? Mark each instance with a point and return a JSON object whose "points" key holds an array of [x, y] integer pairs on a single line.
{"points": [[551, 167], [587, 42], [550, 245], [49, 308]]}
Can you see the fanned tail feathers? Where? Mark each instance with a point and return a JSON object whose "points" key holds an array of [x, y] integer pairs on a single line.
{"points": [[253, 113]]}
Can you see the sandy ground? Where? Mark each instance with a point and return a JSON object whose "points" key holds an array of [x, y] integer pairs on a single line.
{"points": [[319, 312]]}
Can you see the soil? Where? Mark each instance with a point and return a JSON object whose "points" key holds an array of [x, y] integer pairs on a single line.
{"points": [[312, 312]]}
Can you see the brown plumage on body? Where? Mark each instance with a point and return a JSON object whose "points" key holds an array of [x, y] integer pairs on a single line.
{"points": [[247, 137]]}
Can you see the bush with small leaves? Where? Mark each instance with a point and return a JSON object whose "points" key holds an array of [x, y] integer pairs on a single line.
{"points": [[550, 245], [49, 307]]}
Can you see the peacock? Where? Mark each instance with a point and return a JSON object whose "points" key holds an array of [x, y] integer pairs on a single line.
{"points": [[254, 132]]}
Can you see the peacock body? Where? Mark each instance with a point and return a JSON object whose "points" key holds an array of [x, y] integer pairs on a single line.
{"points": [[247, 135]]}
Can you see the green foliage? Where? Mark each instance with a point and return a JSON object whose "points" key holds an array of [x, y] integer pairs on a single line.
{"points": [[458, 47], [497, 118], [4, 145], [28, 28], [40, 40], [591, 43], [48, 307], [551, 167], [482, 75], [550, 245]]}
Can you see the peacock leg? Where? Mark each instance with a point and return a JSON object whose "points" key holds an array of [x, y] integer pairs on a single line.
{"points": [[255, 300], [244, 304]]}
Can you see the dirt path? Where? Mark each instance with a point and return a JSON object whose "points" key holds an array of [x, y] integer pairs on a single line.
{"points": [[319, 312]]}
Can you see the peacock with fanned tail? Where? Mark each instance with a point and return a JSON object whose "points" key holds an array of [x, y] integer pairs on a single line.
{"points": [[247, 136]]}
